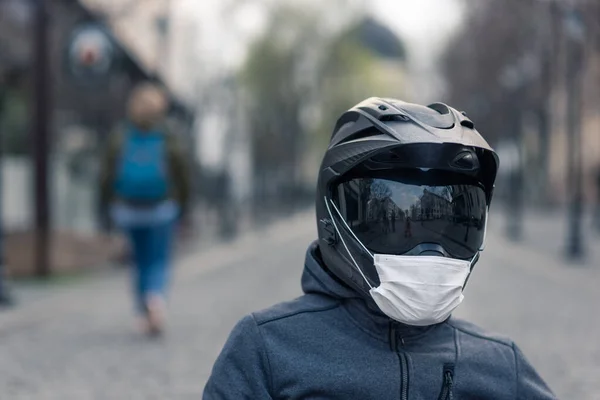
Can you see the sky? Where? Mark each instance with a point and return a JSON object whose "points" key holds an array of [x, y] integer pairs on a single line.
{"points": [[424, 25]]}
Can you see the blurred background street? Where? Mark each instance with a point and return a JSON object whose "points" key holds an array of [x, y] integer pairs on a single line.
{"points": [[254, 88]]}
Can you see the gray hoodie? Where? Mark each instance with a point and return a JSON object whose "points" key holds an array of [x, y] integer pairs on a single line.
{"points": [[332, 344]]}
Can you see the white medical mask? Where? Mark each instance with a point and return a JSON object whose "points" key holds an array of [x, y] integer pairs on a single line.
{"points": [[419, 290], [415, 290]]}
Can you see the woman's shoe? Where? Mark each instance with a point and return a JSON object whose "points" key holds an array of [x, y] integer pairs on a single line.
{"points": [[156, 315]]}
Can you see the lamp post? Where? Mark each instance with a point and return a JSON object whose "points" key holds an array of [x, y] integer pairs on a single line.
{"points": [[40, 140], [575, 32], [5, 298]]}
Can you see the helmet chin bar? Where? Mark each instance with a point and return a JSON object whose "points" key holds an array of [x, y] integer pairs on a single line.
{"points": [[428, 249]]}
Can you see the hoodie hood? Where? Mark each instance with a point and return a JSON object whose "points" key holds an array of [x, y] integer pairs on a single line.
{"points": [[316, 279]]}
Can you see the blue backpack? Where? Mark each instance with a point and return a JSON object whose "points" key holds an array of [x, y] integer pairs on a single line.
{"points": [[142, 173]]}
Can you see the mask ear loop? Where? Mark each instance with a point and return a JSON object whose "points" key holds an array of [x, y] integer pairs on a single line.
{"points": [[343, 241], [473, 261], [349, 229]]}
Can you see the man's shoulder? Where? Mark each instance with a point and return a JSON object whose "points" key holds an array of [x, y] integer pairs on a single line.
{"points": [[285, 311], [478, 333]]}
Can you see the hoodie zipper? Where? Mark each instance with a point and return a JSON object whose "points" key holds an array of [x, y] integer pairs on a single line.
{"points": [[446, 393], [403, 362]]}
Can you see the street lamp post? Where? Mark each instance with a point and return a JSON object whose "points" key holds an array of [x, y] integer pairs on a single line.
{"points": [[5, 298], [41, 139], [575, 29]]}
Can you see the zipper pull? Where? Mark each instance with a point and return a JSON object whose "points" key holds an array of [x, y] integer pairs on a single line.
{"points": [[447, 392], [449, 381]]}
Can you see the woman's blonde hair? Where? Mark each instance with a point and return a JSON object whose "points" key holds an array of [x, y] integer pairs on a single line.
{"points": [[147, 105]]}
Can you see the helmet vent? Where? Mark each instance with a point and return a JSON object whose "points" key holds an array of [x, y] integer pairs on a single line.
{"points": [[467, 123], [395, 117], [365, 133], [440, 107], [436, 115]]}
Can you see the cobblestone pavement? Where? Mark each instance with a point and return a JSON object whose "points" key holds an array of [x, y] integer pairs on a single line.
{"points": [[80, 343]]}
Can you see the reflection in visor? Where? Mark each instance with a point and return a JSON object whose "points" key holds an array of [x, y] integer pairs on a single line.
{"points": [[391, 217]]}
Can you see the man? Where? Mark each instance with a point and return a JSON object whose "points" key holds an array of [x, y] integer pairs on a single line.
{"points": [[374, 322], [146, 182]]}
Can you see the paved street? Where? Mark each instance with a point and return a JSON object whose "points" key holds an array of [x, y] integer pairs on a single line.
{"points": [[80, 344]]}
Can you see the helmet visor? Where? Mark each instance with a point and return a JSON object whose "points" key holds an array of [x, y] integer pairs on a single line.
{"points": [[390, 216]]}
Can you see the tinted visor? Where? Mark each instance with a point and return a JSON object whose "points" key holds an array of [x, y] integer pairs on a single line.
{"points": [[391, 216]]}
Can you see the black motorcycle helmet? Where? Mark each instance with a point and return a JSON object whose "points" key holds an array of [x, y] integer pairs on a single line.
{"points": [[405, 179]]}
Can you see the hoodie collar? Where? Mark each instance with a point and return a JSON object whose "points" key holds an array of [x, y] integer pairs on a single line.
{"points": [[361, 309]]}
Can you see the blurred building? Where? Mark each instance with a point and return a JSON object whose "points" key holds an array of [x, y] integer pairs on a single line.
{"points": [[434, 206], [590, 131]]}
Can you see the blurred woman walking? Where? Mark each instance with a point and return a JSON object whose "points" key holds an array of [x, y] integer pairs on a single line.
{"points": [[145, 182]]}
